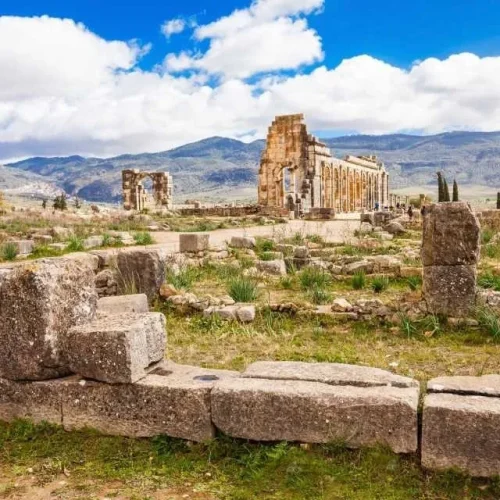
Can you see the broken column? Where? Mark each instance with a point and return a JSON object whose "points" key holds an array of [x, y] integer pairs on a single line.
{"points": [[450, 253]]}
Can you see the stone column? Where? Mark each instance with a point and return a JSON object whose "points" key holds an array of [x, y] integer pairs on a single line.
{"points": [[450, 253]]}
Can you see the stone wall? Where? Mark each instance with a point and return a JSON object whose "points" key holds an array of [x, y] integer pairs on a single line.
{"points": [[489, 219]]}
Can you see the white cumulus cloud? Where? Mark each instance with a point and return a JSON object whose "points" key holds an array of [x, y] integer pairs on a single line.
{"points": [[173, 27]]}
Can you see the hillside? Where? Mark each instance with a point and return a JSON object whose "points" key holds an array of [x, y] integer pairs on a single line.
{"points": [[223, 168]]}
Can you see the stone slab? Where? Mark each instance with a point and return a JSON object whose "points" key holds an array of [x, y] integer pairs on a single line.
{"points": [[116, 348], [312, 412], [486, 385], [136, 303], [451, 235], [461, 432], [24, 247], [450, 290], [327, 373], [39, 302], [242, 242], [193, 242]]}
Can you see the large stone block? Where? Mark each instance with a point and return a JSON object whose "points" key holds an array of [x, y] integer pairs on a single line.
{"points": [[451, 235], [136, 303], [462, 432], [327, 373], [24, 247], [272, 267], [193, 242], [140, 270], [116, 348], [312, 412], [39, 302], [486, 385], [450, 290], [242, 242], [173, 400]]}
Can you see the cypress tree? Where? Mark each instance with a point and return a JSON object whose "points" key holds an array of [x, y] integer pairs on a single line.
{"points": [[440, 187], [446, 190], [498, 201], [455, 190]]}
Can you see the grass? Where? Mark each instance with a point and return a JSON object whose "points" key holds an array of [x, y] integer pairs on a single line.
{"points": [[263, 245], [359, 280], [490, 321], [41, 251], [9, 251], [75, 244], [287, 282], [267, 256], [487, 235], [489, 280], [184, 278], [414, 282], [319, 295], [313, 277], [143, 238], [492, 250], [380, 283], [224, 469], [243, 289]]}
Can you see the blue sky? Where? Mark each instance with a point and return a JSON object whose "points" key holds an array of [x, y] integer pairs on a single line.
{"points": [[108, 77]]}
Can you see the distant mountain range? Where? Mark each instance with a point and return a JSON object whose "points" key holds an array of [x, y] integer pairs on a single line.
{"points": [[222, 168]]}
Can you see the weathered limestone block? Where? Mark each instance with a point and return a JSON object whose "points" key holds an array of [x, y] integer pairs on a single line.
{"points": [[410, 272], [462, 432], [312, 412], [137, 303], [24, 247], [39, 302], [140, 271], [327, 373], [116, 348], [173, 400], [93, 242], [451, 235], [450, 290], [240, 312], [486, 385], [395, 228], [273, 267], [194, 242], [242, 242], [107, 257], [360, 266]]}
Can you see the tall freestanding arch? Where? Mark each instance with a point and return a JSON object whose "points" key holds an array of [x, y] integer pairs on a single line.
{"points": [[135, 196]]}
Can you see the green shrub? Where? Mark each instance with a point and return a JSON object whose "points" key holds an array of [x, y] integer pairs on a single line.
{"points": [[267, 256], [380, 284], [44, 251], [490, 321], [489, 280], [316, 238], [313, 277], [349, 250], [9, 251], [286, 282], [359, 280], [184, 278], [243, 289], [319, 295], [486, 235], [263, 245], [414, 282], [492, 250], [297, 239], [143, 238], [75, 244], [406, 325]]}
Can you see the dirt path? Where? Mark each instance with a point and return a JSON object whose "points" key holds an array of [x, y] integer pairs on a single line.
{"points": [[336, 231]]}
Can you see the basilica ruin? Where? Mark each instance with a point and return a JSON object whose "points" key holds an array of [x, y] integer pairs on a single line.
{"points": [[137, 197], [298, 173]]}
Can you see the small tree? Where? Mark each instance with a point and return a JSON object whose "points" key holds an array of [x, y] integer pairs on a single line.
{"points": [[446, 190], [455, 190], [60, 202], [440, 187], [44, 203], [78, 203], [498, 201]]}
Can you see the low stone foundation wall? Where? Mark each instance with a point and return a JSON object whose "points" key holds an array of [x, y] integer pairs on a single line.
{"points": [[489, 219], [240, 211]]}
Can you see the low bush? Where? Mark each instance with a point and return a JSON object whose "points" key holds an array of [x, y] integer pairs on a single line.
{"points": [[9, 251], [490, 321], [359, 280], [414, 282], [313, 277], [75, 244], [380, 284], [243, 289], [143, 238], [319, 296], [184, 278]]}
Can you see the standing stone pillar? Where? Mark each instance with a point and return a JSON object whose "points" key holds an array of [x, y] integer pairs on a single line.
{"points": [[450, 253]]}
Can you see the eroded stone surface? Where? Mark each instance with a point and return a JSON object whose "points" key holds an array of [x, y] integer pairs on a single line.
{"points": [[327, 373], [312, 412], [116, 348], [39, 302], [462, 432], [487, 385], [242, 242], [193, 242], [136, 303]]}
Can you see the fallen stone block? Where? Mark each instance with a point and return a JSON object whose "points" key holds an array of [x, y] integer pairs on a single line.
{"points": [[462, 432], [137, 303], [450, 290], [410, 272], [395, 228], [241, 312], [24, 247], [116, 348], [39, 302], [140, 271], [273, 267], [242, 242], [486, 385], [173, 400], [357, 267], [93, 242], [312, 412], [193, 242], [451, 235]]}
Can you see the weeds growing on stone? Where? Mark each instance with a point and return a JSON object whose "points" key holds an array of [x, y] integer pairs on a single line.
{"points": [[267, 256], [490, 321], [143, 238], [407, 326], [414, 282], [487, 235], [75, 244], [286, 282], [380, 283], [359, 280], [319, 295], [243, 289], [41, 251], [489, 280], [264, 245], [184, 278], [313, 277], [9, 251]]}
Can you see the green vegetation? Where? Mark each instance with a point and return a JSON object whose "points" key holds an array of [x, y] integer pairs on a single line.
{"points": [[487, 235], [75, 244], [314, 277], [489, 280], [264, 245], [287, 282], [414, 282], [9, 251], [490, 321], [359, 280], [60, 202], [267, 256], [455, 191], [143, 238], [243, 289], [380, 283], [41, 251], [319, 295], [184, 278]]}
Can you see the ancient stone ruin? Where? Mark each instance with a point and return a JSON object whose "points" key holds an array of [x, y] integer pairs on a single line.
{"points": [[450, 253], [299, 173], [136, 196]]}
